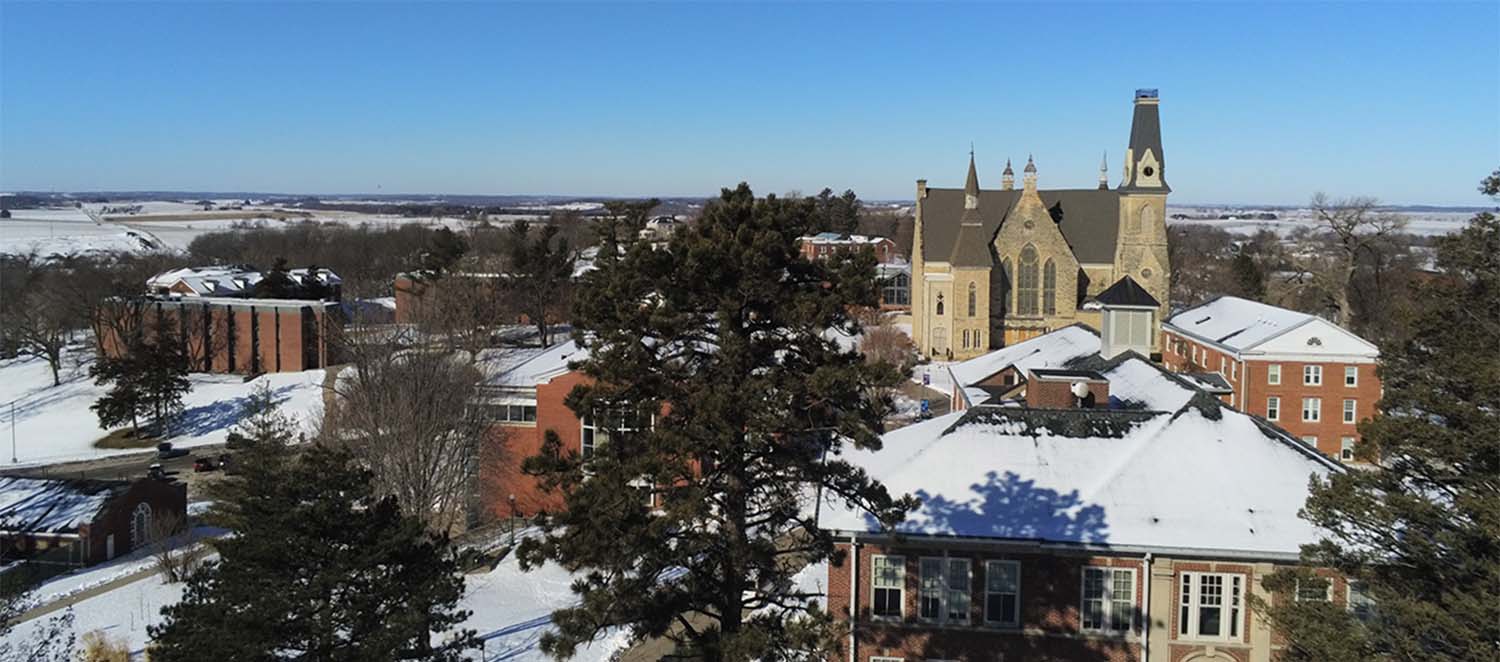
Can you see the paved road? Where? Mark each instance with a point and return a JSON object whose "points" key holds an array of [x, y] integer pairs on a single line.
{"points": [[127, 467]]}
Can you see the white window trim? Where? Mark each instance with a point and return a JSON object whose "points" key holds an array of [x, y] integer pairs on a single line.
{"points": [[1273, 408], [1351, 411], [1346, 448], [1273, 374], [1316, 410], [998, 623], [1234, 615], [1107, 597], [1312, 375], [1348, 374], [943, 590], [900, 588]]}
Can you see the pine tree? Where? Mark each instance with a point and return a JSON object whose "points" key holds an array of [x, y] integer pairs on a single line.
{"points": [[1248, 277], [541, 269], [277, 283], [1421, 531], [318, 568], [149, 379], [719, 395], [443, 250]]}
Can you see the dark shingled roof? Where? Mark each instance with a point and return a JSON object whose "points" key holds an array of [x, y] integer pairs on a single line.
{"points": [[1145, 133], [1127, 292], [1081, 423], [1089, 220]]}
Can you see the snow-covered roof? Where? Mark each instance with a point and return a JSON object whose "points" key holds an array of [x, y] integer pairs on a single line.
{"points": [[227, 281], [1200, 478], [1050, 350], [53, 505], [1237, 323], [841, 238], [527, 367]]}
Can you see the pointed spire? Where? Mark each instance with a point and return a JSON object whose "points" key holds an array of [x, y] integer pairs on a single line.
{"points": [[1028, 182], [1104, 172], [971, 186], [1030, 165], [1008, 178]]}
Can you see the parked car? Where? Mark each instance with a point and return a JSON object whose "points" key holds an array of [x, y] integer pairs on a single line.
{"points": [[164, 451], [157, 472], [203, 464]]}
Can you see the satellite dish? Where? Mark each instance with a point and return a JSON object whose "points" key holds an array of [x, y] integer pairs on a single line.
{"points": [[1080, 389]]}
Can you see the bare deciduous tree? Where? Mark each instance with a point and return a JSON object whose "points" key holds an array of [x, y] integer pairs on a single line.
{"points": [[176, 556], [1351, 230], [413, 417], [42, 325]]}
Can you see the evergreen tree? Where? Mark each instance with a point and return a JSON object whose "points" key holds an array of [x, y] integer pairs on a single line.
{"points": [[277, 283], [444, 248], [1421, 531], [149, 379], [837, 213], [318, 568], [1248, 277], [541, 270], [718, 394]]}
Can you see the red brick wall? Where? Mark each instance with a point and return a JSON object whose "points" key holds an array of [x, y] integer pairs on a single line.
{"points": [[1058, 394], [166, 499], [1051, 590], [1252, 390], [409, 296], [502, 475]]}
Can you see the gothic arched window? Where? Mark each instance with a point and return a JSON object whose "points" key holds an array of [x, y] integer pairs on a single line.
{"points": [[1026, 282], [1010, 286], [1049, 288], [140, 526], [973, 300], [940, 303]]}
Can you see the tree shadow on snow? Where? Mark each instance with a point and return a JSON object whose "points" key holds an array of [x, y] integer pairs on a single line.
{"points": [[220, 415], [1008, 507]]}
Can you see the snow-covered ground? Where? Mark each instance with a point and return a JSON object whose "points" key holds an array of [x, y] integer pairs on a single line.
{"points": [[1423, 223], [65, 231], [511, 609], [55, 424]]}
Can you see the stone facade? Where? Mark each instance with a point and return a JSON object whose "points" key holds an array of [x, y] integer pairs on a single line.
{"points": [[1048, 250]]}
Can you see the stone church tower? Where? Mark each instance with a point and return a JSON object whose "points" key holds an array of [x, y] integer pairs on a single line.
{"points": [[992, 268], [1141, 250]]}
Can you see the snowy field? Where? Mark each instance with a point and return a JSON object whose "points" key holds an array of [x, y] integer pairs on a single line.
{"points": [[1422, 223], [511, 609], [54, 423], [65, 231]]}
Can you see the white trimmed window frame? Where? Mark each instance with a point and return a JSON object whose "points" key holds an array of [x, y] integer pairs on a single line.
{"points": [[1193, 598], [896, 583], [1351, 410], [1109, 604], [1312, 375], [990, 588], [1273, 374], [1312, 410], [1273, 408], [947, 597], [1346, 448], [1351, 376]]}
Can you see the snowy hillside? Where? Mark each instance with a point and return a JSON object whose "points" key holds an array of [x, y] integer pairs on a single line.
{"points": [[54, 423]]}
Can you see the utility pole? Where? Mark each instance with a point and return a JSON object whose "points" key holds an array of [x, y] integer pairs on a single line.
{"points": [[13, 432]]}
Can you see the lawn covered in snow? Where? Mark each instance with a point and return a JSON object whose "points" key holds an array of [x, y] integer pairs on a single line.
{"points": [[511, 609], [54, 423], [64, 232]]}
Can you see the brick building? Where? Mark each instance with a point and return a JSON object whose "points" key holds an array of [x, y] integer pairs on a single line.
{"points": [[62, 521], [827, 244], [524, 390], [231, 334], [1128, 526], [1306, 374]]}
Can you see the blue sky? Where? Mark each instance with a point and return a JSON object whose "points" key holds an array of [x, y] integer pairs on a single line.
{"points": [[1260, 103]]}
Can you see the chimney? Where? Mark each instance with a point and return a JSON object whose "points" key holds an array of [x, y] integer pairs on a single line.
{"points": [[1066, 389]]}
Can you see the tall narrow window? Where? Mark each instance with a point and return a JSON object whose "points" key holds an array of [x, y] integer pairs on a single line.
{"points": [[1010, 285], [940, 303], [1049, 288], [966, 338], [1026, 282], [1351, 375], [1108, 599], [1273, 408], [888, 583], [973, 300], [1350, 415], [1002, 593], [1273, 374]]}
